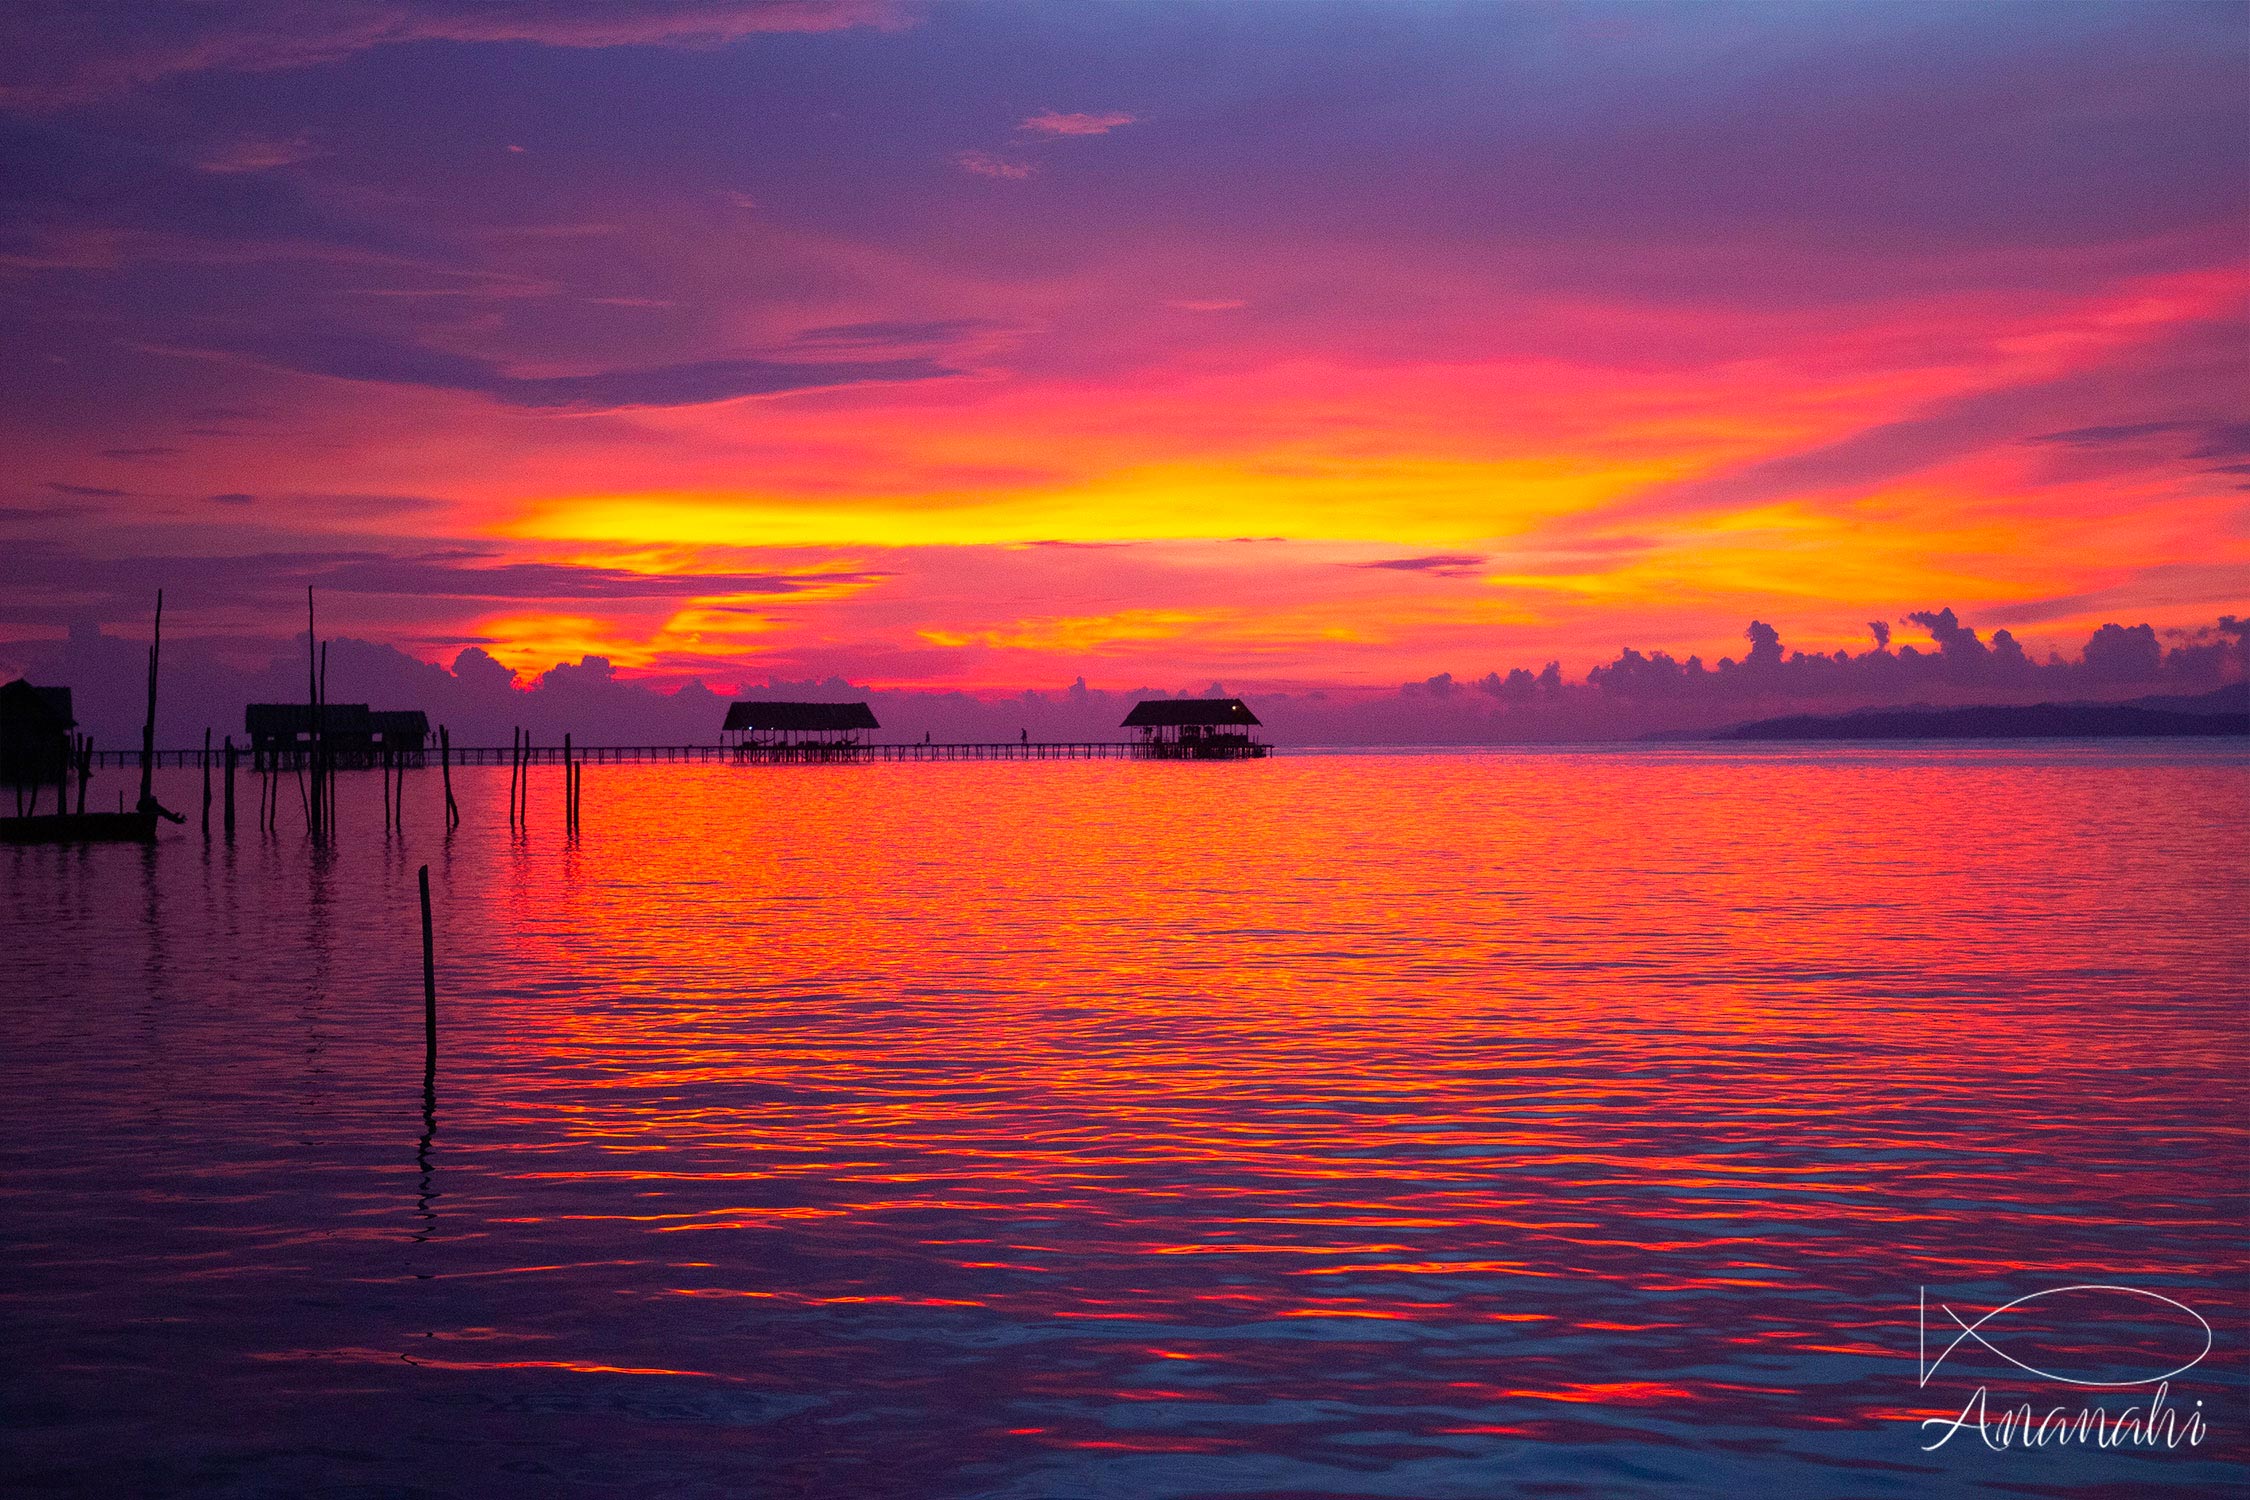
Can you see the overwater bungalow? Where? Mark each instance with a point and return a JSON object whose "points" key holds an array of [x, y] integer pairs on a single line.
{"points": [[796, 730], [35, 734], [401, 732], [354, 734], [1197, 729], [35, 725]]}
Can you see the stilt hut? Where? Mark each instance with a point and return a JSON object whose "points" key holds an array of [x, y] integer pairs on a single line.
{"points": [[402, 733], [279, 732], [1196, 729], [797, 731], [35, 725]]}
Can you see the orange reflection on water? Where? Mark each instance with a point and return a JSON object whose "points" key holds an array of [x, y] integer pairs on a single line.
{"points": [[1369, 1121]]}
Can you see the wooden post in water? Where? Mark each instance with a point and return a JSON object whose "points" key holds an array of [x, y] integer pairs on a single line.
{"points": [[325, 778], [570, 788], [383, 764], [207, 783], [312, 717], [148, 725], [445, 764], [429, 987], [85, 769], [515, 769], [230, 789]]}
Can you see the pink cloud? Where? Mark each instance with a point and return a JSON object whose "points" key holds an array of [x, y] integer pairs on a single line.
{"points": [[258, 154], [985, 164], [122, 52], [1054, 123]]}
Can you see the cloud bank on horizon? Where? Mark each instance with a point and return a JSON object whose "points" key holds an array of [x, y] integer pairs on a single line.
{"points": [[1635, 693], [965, 348]]}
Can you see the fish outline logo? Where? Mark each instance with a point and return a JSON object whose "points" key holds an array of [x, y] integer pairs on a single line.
{"points": [[1928, 1367]]}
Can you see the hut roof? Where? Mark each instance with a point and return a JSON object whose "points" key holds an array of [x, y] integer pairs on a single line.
{"points": [[396, 722], [291, 719], [39, 709], [800, 716], [1168, 713]]}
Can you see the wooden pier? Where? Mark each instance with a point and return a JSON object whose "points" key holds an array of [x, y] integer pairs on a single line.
{"points": [[619, 755]]}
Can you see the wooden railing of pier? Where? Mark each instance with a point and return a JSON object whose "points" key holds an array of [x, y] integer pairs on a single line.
{"points": [[552, 755]]}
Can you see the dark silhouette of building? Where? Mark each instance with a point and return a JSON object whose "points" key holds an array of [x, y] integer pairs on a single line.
{"points": [[354, 734], [401, 731], [280, 730], [35, 725], [831, 727], [1196, 728]]}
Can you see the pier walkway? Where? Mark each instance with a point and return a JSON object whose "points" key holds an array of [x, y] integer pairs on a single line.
{"points": [[607, 755]]}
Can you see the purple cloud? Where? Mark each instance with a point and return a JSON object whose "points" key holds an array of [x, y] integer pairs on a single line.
{"points": [[365, 357], [112, 46], [1441, 564]]}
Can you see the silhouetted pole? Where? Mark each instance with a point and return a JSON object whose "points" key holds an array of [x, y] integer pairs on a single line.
{"points": [[429, 986], [230, 788], [398, 796], [85, 768], [515, 770], [312, 715], [570, 788], [445, 763], [207, 783], [324, 779], [148, 725], [383, 764]]}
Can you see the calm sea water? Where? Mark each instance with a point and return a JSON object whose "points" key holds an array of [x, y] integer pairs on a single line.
{"points": [[1381, 1125]]}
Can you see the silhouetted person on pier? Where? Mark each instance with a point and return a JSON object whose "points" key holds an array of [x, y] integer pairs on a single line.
{"points": [[1023, 736]]}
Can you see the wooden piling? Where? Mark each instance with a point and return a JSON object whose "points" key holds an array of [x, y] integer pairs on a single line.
{"points": [[229, 817], [445, 763], [383, 766], [312, 712], [207, 783], [85, 769], [570, 788], [324, 776], [429, 984], [148, 725]]}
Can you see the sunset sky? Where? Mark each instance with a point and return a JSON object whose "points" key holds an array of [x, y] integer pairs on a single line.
{"points": [[994, 345]]}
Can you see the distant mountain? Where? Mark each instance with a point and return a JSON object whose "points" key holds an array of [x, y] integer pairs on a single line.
{"points": [[2225, 711]]}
